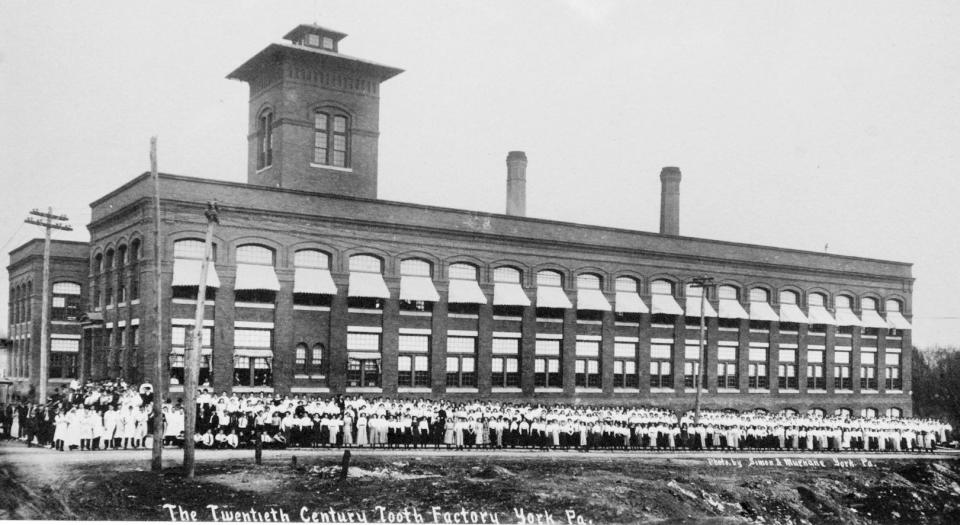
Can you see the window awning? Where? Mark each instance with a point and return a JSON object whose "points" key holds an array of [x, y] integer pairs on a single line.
{"points": [[898, 321], [732, 309], [417, 288], [509, 294], [313, 280], [592, 299], [820, 315], [180, 351], [665, 304], [693, 308], [630, 303], [252, 352], [552, 297], [761, 311], [186, 272], [365, 284], [846, 317], [465, 291], [256, 277], [791, 313], [872, 319]]}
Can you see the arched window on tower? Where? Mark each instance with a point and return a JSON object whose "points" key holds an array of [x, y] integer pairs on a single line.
{"points": [[265, 140]]}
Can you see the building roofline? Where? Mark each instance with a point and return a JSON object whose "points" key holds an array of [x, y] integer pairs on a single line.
{"points": [[242, 73], [40, 240], [502, 216]]}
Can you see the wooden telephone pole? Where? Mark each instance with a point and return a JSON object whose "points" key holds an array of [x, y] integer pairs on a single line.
{"points": [[156, 462], [48, 224], [192, 361], [704, 283]]}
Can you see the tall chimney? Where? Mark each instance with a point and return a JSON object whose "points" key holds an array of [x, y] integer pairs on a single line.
{"points": [[517, 183], [670, 201]]}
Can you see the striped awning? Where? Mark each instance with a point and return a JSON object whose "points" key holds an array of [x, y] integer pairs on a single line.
{"points": [[732, 309], [592, 299], [509, 294], [630, 303], [465, 291], [186, 272], [313, 280], [418, 288], [256, 277], [366, 284], [665, 304]]}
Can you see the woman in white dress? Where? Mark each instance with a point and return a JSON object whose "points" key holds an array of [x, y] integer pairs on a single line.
{"points": [[60, 430], [129, 423], [72, 436], [362, 430]]}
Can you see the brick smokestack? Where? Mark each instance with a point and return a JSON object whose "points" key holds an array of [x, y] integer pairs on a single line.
{"points": [[517, 183], [670, 201]]}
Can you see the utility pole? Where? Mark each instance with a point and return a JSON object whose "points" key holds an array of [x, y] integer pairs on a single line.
{"points": [[704, 283], [192, 359], [48, 224], [156, 463]]}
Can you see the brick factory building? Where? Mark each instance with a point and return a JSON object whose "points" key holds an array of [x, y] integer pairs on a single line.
{"points": [[321, 288]]}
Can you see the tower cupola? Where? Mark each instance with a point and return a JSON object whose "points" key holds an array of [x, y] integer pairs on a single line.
{"points": [[314, 115]]}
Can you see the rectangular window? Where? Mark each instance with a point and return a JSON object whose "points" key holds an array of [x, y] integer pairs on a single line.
{"points": [[787, 376], [868, 377], [63, 364], [414, 362], [588, 364], [625, 366], [320, 138], [547, 367], [727, 376], [841, 371], [893, 379], [815, 367], [249, 338], [461, 371], [361, 341], [660, 374], [758, 375], [506, 362]]}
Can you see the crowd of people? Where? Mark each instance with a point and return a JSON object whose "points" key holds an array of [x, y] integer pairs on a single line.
{"points": [[114, 415]]}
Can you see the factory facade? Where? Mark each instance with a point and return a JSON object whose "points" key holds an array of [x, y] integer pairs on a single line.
{"points": [[317, 287]]}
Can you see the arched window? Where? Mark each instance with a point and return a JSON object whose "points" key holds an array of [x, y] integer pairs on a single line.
{"points": [[816, 412], [256, 279], [465, 295], [728, 292], [551, 299], [300, 358], [108, 267], [893, 305], [122, 263], [508, 295], [313, 286], [789, 297], [506, 274], [591, 302], [367, 289], [316, 358], [188, 255], [868, 413], [417, 292], [817, 299], [135, 256], [365, 263], [661, 287], [759, 295], [265, 140], [844, 302], [894, 412], [789, 412], [843, 412], [331, 138]]}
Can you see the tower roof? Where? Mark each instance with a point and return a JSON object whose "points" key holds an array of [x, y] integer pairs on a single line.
{"points": [[311, 42]]}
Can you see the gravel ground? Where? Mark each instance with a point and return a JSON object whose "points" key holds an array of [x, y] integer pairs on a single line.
{"points": [[506, 486]]}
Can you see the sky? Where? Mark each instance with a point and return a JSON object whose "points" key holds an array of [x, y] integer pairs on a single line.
{"points": [[809, 125]]}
